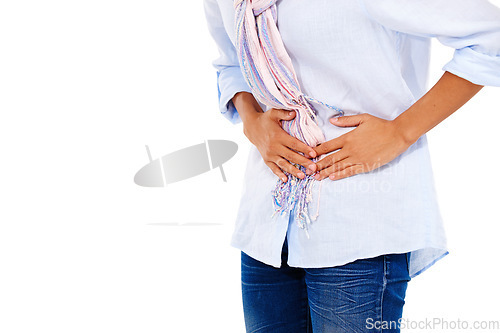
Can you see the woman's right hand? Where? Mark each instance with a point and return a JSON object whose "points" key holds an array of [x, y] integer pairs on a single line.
{"points": [[276, 146]]}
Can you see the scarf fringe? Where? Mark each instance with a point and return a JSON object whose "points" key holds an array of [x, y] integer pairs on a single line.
{"points": [[295, 195]]}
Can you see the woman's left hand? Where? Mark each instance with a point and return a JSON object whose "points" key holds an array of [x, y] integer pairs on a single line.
{"points": [[373, 143]]}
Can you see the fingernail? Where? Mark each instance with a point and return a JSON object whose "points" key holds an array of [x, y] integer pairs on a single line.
{"points": [[312, 167], [312, 154], [301, 175], [316, 176], [308, 172]]}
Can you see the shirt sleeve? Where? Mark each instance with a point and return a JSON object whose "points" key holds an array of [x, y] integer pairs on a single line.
{"points": [[471, 27], [230, 79]]}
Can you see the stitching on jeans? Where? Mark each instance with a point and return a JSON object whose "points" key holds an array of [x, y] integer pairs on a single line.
{"points": [[308, 321], [384, 284], [407, 255]]}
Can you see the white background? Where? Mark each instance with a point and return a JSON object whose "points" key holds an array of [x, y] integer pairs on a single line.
{"points": [[84, 86]]}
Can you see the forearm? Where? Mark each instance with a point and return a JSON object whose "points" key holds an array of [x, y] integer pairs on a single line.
{"points": [[449, 94], [246, 105]]}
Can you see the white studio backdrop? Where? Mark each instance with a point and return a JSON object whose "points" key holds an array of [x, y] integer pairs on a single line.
{"points": [[84, 87]]}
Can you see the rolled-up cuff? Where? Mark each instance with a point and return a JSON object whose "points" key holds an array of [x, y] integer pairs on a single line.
{"points": [[229, 82], [476, 67]]}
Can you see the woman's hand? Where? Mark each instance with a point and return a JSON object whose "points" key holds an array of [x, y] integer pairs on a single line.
{"points": [[373, 143], [276, 146]]}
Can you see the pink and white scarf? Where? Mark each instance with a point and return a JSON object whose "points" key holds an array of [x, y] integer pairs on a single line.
{"points": [[269, 72]]}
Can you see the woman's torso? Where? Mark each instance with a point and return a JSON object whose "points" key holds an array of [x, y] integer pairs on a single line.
{"points": [[344, 58]]}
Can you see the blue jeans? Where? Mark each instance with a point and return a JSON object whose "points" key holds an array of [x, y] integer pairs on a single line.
{"points": [[366, 295]]}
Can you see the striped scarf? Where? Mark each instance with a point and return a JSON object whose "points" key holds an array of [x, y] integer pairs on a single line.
{"points": [[269, 72]]}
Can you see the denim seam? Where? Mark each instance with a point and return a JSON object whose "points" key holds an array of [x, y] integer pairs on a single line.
{"points": [[407, 262], [308, 320], [384, 285]]}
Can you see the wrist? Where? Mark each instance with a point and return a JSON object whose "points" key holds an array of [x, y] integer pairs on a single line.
{"points": [[406, 129], [247, 106]]}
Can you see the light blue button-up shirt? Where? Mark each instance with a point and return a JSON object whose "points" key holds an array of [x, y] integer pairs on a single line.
{"points": [[363, 56]]}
